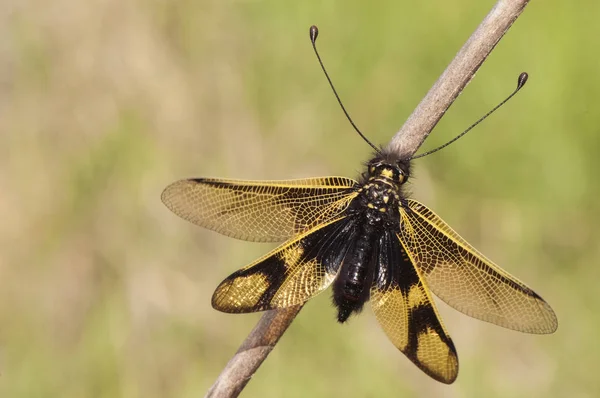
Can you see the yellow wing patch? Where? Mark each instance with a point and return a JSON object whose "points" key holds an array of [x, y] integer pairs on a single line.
{"points": [[243, 292]]}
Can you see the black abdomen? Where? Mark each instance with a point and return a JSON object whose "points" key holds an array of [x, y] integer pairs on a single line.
{"points": [[352, 286]]}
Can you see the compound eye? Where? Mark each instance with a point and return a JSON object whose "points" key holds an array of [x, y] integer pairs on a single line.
{"points": [[401, 177]]}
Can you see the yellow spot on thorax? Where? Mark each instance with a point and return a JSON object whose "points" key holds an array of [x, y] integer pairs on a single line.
{"points": [[387, 173]]}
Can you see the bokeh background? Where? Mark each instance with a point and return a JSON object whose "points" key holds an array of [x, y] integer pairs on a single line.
{"points": [[105, 293]]}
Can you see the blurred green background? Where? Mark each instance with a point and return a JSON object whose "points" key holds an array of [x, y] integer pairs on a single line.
{"points": [[105, 293]]}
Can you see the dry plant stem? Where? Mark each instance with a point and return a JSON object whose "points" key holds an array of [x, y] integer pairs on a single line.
{"points": [[461, 70], [456, 76], [253, 352]]}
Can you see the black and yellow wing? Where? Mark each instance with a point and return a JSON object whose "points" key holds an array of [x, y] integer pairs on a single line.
{"points": [[292, 273], [404, 308], [259, 211], [466, 280]]}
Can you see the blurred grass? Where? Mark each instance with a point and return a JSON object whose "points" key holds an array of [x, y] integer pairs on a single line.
{"points": [[104, 293]]}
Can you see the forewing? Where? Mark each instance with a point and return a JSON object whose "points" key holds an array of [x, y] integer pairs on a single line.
{"points": [[259, 211], [465, 279], [404, 308], [290, 274]]}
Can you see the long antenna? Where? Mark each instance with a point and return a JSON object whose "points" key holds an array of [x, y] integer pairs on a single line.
{"points": [[314, 33], [520, 83]]}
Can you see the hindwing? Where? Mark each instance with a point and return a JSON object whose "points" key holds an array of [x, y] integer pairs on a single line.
{"points": [[407, 314], [291, 274]]}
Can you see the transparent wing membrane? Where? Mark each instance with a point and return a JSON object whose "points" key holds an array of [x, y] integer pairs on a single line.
{"points": [[260, 211], [465, 279]]}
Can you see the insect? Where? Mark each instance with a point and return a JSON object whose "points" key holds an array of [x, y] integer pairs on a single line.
{"points": [[367, 240]]}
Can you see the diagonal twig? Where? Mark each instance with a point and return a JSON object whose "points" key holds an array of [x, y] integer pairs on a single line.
{"points": [[456, 77], [261, 341], [253, 351]]}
